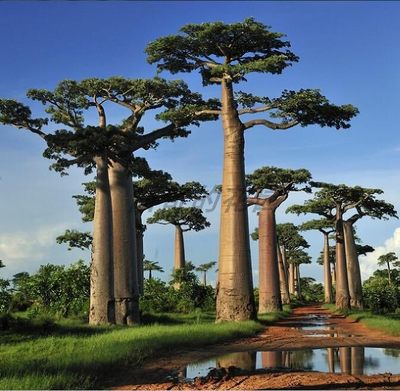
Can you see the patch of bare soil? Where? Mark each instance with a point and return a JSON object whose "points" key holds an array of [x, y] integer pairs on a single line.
{"points": [[307, 328]]}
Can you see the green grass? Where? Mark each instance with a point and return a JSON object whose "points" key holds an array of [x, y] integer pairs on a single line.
{"points": [[78, 357], [274, 316], [389, 324]]}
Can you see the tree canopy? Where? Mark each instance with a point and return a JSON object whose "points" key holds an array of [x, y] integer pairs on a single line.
{"points": [[188, 218]]}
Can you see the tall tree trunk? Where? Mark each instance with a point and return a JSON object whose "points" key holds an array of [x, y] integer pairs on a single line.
{"points": [[101, 274], [389, 274], [269, 287], [353, 267], [235, 296], [140, 250], [342, 285], [150, 276], [298, 281], [334, 274], [126, 290], [179, 262], [327, 271], [205, 278], [286, 266], [282, 278], [292, 288]]}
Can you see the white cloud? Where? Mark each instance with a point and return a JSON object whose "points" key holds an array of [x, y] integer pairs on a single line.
{"points": [[368, 263], [26, 246]]}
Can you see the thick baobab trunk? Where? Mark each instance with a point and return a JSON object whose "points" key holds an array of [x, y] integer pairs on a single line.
{"points": [[282, 278], [334, 273], [353, 267], [269, 287], [327, 271], [179, 262], [235, 297], [273, 359], [292, 287], [126, 290], [140, 250], [101, 275], [331, 360], [342, 285]]}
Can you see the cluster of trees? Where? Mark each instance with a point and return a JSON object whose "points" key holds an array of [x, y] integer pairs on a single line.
{"points": [[224, 55]]}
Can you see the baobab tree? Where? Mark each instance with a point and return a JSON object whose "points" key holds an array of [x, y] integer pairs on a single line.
{"points": [[150, 266], [280, 182], [109, 148], [386, 260], [155, 188], [225, 54], [332, 202], [204, 268], [183, 219], [326, 228]]}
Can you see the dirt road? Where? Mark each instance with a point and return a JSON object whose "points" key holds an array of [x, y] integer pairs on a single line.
{"points": [[286, 359]]}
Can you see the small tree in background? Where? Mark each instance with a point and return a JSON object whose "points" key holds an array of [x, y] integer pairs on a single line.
{"points": [[386, 260], [326, 228], [204, 268], [151, 266], [184, 220]]}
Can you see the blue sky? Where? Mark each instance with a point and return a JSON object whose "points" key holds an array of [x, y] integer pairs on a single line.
{"points": [[347, 49]]}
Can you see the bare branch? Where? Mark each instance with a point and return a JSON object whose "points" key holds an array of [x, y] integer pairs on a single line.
{"points": [[256, 110], [269, 124]]}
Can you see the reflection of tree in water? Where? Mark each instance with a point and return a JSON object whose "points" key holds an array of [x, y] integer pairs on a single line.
{"points": [[301, 359], [243, 360], [272, 359], [392, 352]]}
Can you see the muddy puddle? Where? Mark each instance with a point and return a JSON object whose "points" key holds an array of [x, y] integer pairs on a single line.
{"points": [[348, 360]]}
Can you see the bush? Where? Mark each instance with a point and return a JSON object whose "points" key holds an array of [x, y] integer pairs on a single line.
{"points": [[380, 296], [5, 296]]}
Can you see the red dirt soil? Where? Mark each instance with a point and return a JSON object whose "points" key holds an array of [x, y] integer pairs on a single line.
{"points": [[283, 335]]}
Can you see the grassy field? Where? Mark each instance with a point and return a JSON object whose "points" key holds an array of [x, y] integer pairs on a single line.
{"points": [[74, 356], [390, 323], [274, 316]]}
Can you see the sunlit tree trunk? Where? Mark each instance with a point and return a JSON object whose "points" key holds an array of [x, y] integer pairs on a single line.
{"points": [[353, 267], [179, 262], [269, 286], [126, 285], [292, 287], [327, 271], [235, 297], [342, 285], [101, 276], [334, 274], [282, 278]]}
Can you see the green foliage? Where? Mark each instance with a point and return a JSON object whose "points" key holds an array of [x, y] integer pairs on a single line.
{"points": [[190, 218], [76, 239], [150, 266], [5, 296], [279, 180], [387, 259], [217, 48], [157, 297], [311, 291], [58, 290], [380, 296], [323, 225]]}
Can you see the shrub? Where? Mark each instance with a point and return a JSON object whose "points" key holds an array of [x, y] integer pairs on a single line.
{"points": [[380, 296]]}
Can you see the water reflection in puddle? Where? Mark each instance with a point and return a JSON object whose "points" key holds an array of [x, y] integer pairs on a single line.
{"points": [[349, 360]]}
